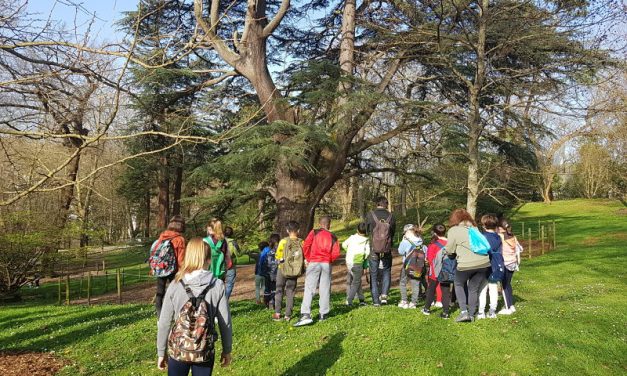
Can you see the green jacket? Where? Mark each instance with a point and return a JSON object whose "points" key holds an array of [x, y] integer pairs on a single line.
{"points": [[459, 244]]}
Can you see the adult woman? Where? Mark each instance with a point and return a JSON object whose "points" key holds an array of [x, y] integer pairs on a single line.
{"points": [[472, 268]]}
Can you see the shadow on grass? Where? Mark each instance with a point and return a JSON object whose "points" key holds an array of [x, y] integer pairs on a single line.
{"points": [[319, 361]]}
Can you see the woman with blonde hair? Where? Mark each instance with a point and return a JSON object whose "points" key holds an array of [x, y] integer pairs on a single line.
{"points": [[220, 257], [194, 276]]}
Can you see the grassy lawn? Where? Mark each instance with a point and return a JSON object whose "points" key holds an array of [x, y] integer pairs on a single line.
{"points": [[571, 319]]}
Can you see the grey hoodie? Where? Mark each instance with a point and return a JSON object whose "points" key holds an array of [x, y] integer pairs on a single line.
{"points": [[176, 297]]}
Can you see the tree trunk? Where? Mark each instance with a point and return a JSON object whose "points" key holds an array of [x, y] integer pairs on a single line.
{"points": [[164, 195], [178, 183], [67, 193], [147, 217], [294, 201]]}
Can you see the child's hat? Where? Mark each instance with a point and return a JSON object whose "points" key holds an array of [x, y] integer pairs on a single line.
{"points": [[408, 227]]}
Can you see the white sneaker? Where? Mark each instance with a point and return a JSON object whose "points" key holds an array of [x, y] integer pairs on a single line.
{"points": [[505, 311], [512, 308], [411, 306], [403, 304], [480, 315], [438, 304], [492, 314]]}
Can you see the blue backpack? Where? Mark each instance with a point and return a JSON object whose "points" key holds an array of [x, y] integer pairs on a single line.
{"points": [[478, 243]]}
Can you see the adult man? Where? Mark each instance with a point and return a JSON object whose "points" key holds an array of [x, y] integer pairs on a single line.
{"points": [[320, 249], [381, 226]]}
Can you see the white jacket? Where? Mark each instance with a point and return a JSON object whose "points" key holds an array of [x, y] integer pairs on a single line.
{"points": [[357, 249]]}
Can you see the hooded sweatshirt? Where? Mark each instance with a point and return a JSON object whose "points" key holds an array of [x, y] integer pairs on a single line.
{"points": [[459, 244], [178, 242], [357, 249], [321, 246], [176, 297], [410, 242]]}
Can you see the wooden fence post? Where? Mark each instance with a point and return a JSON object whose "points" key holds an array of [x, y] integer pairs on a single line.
{"points": [[59, 298], [88, 289], [139, 272], [104, 266], [106, 283], [67, 289], [529, 232], [80, 286], [523, 229], [123, 276], [554, 237], [119, 285], [542, 239]]}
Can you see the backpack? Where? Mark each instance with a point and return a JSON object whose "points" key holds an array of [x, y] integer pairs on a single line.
{"points": [[268, 263], [478, 242], [294, 258], [444, 266], [381, 241], [162, 259], [218, 263], [415, 263], [193, 335], [233, 250]]}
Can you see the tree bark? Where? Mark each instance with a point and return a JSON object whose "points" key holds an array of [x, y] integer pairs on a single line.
{"points": [[164, 195], [147, 217], [67, 193], [178, 183]]}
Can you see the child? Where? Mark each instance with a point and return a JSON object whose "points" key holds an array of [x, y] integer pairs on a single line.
{"points": [[320, 249], [220, 258], [495, 273], [357, 248], [438, 242], [511, 258], [192, 275], [260, 280], [290, 260], [234, 252], [411, 241], [269, 269]]}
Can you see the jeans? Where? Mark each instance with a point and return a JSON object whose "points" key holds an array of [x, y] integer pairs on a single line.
{"points": [[508, 294], [433, 286], [288, 286], [176, 368], [229, 282], [161, 285], [353, 284], [260, 286], [318, 273], [470, 280], [415, 287], [385, 273]]}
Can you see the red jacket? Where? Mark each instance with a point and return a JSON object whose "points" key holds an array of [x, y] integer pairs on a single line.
{"points": [[321, 246], [433, 250], [178, 242]]}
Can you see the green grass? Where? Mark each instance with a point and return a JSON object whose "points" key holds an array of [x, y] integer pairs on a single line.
{"points": [[571, 320]]}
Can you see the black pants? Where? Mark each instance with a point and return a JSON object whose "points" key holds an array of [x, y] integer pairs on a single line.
{"points": [[446, 294], [268, 293], [176, 368], [162, 283], [472, 281], [507, 288], [287, 286]]}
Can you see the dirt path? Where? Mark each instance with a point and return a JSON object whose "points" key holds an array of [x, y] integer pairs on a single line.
{"points": [[244, 285]]}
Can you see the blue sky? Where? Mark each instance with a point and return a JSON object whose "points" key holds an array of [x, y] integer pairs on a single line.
{"points": [[105, 11]]}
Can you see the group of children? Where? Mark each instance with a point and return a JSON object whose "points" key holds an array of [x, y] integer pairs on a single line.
{"points": [[447, 273]]}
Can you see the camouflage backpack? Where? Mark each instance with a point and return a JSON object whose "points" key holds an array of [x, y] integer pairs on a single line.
{"points": [[294, 258], [193, 335]]}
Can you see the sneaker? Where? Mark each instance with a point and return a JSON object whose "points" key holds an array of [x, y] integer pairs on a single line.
{"points": [[464, 317], [492, 314], [438, 304], [347, 303], [384, 299], [411, 306], [304, 320], [512, 308], [403, 304], [376, 305], [505, 311], [287, 318], [445, 316], [276, 316], [323, 317], [425, 312], [481, 316], [363, 303]]}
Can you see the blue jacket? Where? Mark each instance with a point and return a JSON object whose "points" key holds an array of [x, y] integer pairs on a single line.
{"points": [[408, 245], [496, 255]]}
